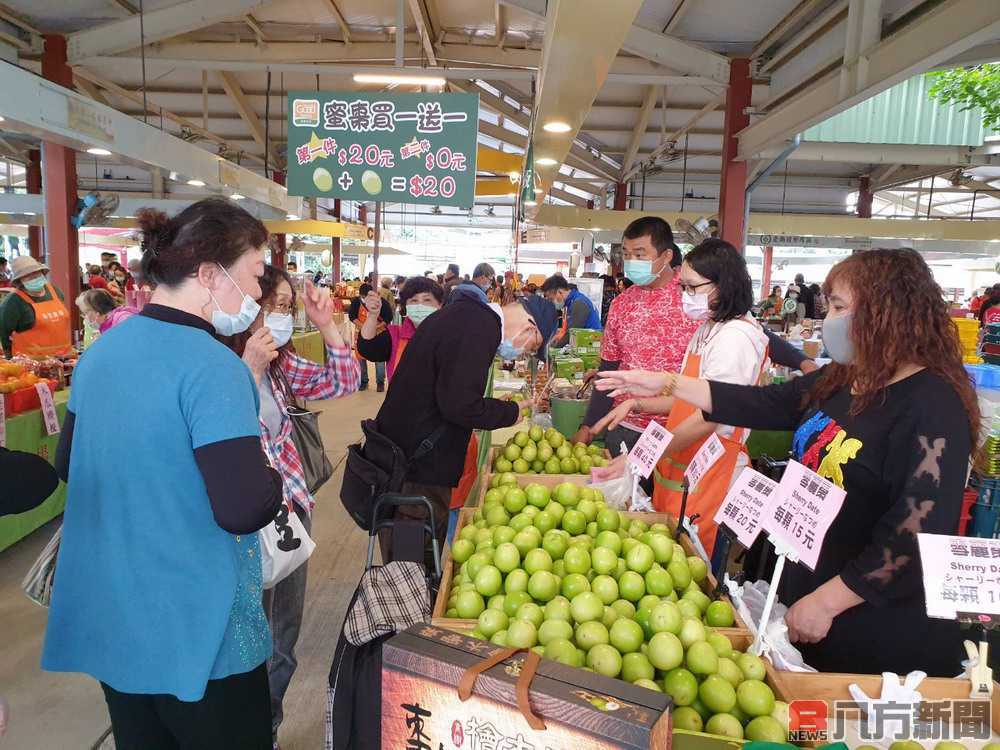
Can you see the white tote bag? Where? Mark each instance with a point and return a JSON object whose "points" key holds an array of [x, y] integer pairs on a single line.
{"points": [[284, 546]]}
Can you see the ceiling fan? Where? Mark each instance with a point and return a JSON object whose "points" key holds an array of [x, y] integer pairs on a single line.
{"points": [[697, 232]]}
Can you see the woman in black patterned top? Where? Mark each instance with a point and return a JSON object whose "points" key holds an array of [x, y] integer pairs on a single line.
{"points": [[892, 422]]}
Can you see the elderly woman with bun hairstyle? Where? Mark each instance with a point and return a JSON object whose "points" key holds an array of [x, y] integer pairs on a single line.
{"points": [[157, 590]]}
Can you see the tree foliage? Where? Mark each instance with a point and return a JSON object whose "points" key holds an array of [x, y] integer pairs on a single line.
{"points": [[970, 88]]}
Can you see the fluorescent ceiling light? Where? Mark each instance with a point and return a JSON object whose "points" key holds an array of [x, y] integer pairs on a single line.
{"points": [[556, 126], [196, 183], [237, 197], [398, 78], [291, 217], [2, 118], [173, 175], [545, 161], [531, 203], [98, 151]]}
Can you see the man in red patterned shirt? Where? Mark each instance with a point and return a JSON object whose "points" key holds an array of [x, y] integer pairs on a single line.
{"points": [[646, 329]]}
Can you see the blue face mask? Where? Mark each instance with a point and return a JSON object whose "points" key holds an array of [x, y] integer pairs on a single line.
{"points": [[35, 285], [229, 324], [508, 351], [641, 272], [418, 313]]}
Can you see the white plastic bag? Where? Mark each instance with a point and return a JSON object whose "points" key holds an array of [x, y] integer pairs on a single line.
{"points": [[749, 602], [618, 492], [284, 546]]}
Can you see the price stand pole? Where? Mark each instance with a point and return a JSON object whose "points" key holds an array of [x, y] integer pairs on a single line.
{"points": [[783, 551]]}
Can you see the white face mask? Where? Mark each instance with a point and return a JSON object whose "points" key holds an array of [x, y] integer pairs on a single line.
{"points": [[281, 326], [696, 306], [229, 324]]}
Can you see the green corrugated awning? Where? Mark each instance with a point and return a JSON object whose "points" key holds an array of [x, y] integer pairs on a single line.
{"points": [[903, 114]]}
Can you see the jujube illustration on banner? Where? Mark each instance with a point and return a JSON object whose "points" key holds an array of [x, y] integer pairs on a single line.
{"points": [[410, 148]]}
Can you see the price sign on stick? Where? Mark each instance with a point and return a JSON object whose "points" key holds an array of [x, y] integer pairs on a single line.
{"points": [[804, 507], [961, 575], [3, 422], [648, 449], [48, 408], [747, 502], [710, 452]]}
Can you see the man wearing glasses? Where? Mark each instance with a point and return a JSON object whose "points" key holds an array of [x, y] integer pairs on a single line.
{"points": [[646, 327], [437, 390]]}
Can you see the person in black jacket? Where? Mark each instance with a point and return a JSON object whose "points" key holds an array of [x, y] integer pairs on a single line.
{"points": [[28, 481], [437, 390]]}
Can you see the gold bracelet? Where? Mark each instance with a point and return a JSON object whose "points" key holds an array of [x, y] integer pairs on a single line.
{"points": [[671, 385]]}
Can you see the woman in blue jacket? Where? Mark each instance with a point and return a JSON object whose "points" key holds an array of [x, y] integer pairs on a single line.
{"points": [[157, 590]]}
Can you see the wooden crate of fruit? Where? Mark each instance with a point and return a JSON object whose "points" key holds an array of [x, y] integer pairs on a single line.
{"points": [[832, 687], [546, 452], [467, 516], [489, 480]]}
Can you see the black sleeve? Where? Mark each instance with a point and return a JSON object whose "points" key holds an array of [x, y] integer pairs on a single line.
{"points": [[244, 491], [65, 446], [927, 462], [386, 313], [28, 481], [782, 353], [600, 402], [462, 380], [771, 407], [378, 349], [353, 309]]}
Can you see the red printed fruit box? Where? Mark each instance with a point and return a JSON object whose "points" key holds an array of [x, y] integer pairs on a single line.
{"points": [[421, 708]]}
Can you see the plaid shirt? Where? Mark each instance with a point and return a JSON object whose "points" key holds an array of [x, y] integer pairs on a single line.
{"points": [[309, 382]]}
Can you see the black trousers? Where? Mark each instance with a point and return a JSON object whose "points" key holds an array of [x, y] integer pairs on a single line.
{"points": [[234, 714]]}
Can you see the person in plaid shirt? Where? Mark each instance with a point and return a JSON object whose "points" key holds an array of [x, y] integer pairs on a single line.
{"points": [[284, 377]]}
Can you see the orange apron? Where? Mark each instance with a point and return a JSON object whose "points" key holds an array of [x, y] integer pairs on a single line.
{"points": [[50, 336], [668, 476], [470, 471]]}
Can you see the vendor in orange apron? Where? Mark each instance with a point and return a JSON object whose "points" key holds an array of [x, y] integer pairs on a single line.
{"points": [[34, 321]]}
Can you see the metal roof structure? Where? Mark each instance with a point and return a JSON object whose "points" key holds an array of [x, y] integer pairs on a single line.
{"points": [[642, 87]]}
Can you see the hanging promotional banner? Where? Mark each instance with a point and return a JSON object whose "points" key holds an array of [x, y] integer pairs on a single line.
{"points": [[406, 148]]}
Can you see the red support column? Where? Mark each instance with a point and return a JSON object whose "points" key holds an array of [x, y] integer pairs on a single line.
{"points": [[765, 279], [62, 242], [278, 246], [33, 178], [335, 245], [732, 195], [621, 196], [865, 198]]}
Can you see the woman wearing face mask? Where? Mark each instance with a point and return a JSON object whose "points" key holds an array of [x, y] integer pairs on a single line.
{"points": [[157, 589], [892, 422], [419, 298], [728, 346], [34, 320], [283, 378], [100, 309]]}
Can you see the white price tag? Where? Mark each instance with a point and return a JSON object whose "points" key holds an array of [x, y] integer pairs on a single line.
{"points": [[648, 449], [805, 506], [747, 502], [710, 452], [49, 414], [961, 575]]}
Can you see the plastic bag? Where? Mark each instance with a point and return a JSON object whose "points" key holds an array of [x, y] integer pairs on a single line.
{"points": [[749, 602], [542, 419], [618, 492]]}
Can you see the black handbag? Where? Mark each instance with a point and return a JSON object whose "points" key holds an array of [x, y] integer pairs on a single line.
{"points": [[308, 441], [374, 467]]}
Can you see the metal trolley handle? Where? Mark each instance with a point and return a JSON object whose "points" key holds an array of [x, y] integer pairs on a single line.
{"points": [[392, 500]]}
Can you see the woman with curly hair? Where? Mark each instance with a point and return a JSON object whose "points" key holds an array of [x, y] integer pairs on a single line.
{"points": [[892, 421]]}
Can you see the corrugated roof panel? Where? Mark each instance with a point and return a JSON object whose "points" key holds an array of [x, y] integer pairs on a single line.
{"points": [[903, 114]]}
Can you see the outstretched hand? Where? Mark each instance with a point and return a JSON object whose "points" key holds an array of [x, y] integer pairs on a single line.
{"points": [[632, 382]]}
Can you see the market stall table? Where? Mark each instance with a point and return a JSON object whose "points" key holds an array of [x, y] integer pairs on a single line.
{"points": [[26, 432]]}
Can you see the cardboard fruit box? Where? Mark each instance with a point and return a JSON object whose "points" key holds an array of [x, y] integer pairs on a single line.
{"points": [[423, 667], [449, 569], [938, 695]]}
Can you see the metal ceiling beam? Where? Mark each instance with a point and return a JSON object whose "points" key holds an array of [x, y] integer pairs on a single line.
{"points": [[881, 153], [126, 6], [499, 23], [40, 108], [801, 12], [254, 25], [801, 39], [91, 90], [678, 15], [677, 54], [345, 29], [15, 18], [248, 114], [158, 25], [670, 141], [424, 29], [904, 175], [952, 27], [574, 29], [521, 142], [648, 105], [155, 109]]}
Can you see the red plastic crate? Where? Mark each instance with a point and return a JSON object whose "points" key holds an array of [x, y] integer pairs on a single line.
{"points": [[25, 399], [968, 500]]}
